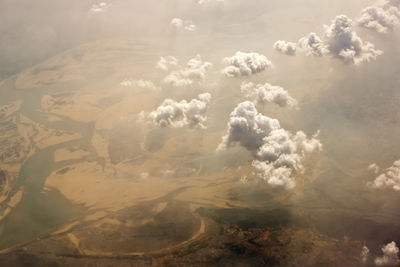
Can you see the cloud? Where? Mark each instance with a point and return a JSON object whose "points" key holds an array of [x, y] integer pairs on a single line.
{"points": [[339, 41], [312, 45], [144, 175], [180, 114], [139, 84], [245, 64], [180, 24], [166, 63], [100, 7], [287, 48], [343, 43], [374, 168], [277, 152], [364, 254], [381, 18], [389, 178], [390, 255], [267, 93], [195, 71], [201, 2]]}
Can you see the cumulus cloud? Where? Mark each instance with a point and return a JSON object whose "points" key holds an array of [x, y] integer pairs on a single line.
{"points": [[390, 255], [194, 71], [180, 114], [343, 43], [180, 24], [389, 178], [287, 48], [312, 45], [267, 93], [339, 41], [200, 2], [277, 152], [144, 84], [100, 7], [381, 18], [374, 168], [364, 254], [245, 64], [166, 63]]}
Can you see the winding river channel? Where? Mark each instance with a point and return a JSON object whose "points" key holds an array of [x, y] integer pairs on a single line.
{"points": [[38, 212]]}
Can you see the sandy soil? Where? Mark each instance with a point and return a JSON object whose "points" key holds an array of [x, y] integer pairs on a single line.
{"points": [[49, 137], [88, 184]]}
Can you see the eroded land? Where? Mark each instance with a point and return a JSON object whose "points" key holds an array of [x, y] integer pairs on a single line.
{"points": [[156, 196]]}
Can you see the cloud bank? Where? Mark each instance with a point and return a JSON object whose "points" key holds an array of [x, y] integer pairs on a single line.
{"points": [[245, 64], [180, 114], [277, 152]]}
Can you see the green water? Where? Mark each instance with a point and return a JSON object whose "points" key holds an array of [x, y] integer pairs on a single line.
{"points": [[38, 212]]}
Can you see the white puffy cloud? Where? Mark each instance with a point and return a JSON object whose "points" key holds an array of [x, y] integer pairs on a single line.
{"points": [[390, 255], [181, 24], [374, 168], [389, 178], [274, 176], [277, 152], [166, 63], [245, 64], [144, 84], [287, 48], [364, 254], [194, 71], [343, 43], [382, 17], [312, 45], [180, 114], [266, 93], [100, 7], [200, 2], [339, 41]]}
